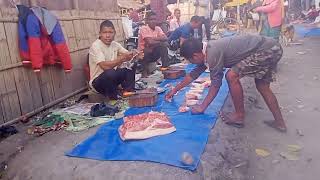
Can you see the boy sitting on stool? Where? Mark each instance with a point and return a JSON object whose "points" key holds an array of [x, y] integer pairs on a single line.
{"points": [[153, 42], [110, 64]]}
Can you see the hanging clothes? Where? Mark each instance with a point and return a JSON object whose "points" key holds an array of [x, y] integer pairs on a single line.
{"points": [[41, 40]]}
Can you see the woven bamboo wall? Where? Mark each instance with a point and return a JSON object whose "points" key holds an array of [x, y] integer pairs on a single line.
{"points": [[23, 92]]}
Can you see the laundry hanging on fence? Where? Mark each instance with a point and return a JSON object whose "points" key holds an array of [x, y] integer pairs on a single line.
{"points": [[41, 40]]}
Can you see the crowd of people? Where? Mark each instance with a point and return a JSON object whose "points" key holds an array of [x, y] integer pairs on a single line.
{"points": [[311, 17], [255, 56], [112, 65]]}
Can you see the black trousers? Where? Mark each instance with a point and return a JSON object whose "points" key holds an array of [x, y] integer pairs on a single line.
{"points": [[207, 26], [160, 51], [107, 83]]}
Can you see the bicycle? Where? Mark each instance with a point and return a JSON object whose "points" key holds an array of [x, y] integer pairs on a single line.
{"points": [[223, 25]]}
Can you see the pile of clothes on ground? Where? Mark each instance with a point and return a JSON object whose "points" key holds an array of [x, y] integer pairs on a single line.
{"points": [[7, 131], [78, 117]]}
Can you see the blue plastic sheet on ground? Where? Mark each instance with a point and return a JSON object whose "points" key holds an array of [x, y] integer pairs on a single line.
{"points": [[303, 31], [191, 135]]}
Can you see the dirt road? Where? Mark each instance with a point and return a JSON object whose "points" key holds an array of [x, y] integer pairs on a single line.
{"points": [[297, 89]]}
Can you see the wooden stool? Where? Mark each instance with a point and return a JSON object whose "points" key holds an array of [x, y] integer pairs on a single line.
{"points": [[94, 97]]}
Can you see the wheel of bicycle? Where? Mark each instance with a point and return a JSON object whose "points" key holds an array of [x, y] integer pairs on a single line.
{"points": [[228, 27]]}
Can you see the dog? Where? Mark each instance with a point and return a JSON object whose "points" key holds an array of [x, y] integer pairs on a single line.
{"points": [[287, 34]]}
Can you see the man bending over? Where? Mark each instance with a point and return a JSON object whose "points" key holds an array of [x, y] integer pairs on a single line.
{"points": [[246, 55]]}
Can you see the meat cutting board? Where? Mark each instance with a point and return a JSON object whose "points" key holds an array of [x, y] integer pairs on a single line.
{"points": [[144, 98], [173, 73]]}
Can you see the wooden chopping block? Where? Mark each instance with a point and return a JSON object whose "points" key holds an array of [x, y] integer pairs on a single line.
{"points": [[143, 99], [174, 73]]}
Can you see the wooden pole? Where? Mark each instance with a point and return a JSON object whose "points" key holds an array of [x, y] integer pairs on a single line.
{"points": [[238, 11], [189, 9], [307, 5], [30, 114], [75, 4], [33, 2]]}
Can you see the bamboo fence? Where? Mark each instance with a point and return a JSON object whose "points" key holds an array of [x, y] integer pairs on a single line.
{"points": [[24, 93]]}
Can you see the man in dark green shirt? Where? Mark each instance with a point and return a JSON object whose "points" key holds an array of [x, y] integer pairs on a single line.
{"points": [[245, 55]]}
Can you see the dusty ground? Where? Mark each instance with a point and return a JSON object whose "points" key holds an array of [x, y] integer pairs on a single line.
{"points": [[297, 90], [230, 153]]}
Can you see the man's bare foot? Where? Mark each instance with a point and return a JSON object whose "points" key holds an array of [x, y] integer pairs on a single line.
{"points": [[224, 115], [233, 119], [277, 126], [231, 116]]}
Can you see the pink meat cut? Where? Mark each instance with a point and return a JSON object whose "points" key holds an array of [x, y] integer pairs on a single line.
{"points": [[146, 125]]}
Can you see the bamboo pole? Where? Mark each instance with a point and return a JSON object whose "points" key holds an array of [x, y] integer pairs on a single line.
{"points": [[75, 4], [32, 113], [33, 2], [238, 11], [15, 19], [189, 9], [307, 3], [10, 66], [19, 64]]}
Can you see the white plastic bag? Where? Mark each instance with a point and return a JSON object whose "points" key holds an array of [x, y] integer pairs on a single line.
{"points": [[217, 14], [255, 16], [127, 27]]}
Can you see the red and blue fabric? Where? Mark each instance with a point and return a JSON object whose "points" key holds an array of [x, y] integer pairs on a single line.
{"points": [[39, 48]]}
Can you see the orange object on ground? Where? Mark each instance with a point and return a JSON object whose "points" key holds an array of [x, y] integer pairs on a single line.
{"points": [[128, 93]]}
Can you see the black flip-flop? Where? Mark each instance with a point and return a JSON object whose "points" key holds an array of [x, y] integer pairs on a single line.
{"points": [[274, 126]]}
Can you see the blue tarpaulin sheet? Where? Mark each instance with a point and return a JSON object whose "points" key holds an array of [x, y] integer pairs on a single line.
{"points": [[191, 135], [303, 31]]}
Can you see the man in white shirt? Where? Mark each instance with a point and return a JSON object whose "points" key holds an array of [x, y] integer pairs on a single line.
{"points": [[110, 64], [175, 22]]}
